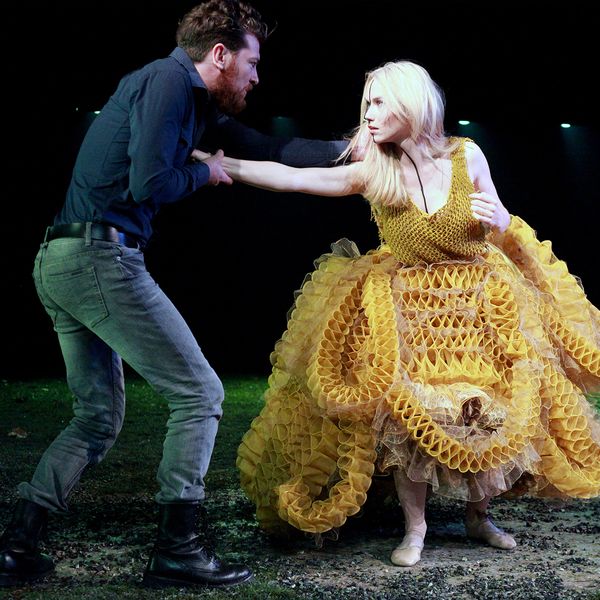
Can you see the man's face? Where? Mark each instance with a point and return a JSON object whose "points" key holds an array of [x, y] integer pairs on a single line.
{"points": [[238, 77]]}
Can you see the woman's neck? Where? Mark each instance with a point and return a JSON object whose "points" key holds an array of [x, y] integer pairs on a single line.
{"points": [[408, 148]]}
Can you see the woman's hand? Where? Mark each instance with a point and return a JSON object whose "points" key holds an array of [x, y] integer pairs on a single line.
{"points": [[490, 211], [199, 156]]}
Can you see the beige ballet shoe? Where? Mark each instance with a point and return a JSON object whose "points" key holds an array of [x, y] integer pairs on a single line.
{"points": [[408, 553], [486, 531]]}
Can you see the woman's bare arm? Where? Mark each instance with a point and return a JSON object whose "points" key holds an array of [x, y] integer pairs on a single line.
{"points": [[485, 203], [344, 180]]}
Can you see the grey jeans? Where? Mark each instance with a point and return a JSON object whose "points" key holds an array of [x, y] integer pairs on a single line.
{"points": [[105, 305]]}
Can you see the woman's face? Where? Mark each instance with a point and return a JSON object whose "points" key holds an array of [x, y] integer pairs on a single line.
{"points": [[383, 125]]}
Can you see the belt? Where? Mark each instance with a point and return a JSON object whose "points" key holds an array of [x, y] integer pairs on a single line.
{"points": [[99, 231]]}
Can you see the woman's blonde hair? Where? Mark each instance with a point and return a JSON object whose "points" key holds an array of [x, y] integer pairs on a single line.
{"points": [[413, 97]]}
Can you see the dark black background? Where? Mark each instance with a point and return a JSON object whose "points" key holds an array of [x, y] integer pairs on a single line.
{"points": [[230, 258]]}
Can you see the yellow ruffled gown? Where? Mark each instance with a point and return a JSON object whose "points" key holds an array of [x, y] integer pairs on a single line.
{"points": [[461, 359]]}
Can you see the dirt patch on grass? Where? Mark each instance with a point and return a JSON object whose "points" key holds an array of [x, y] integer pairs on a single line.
{"points": [[105, 542], [558, 556]]}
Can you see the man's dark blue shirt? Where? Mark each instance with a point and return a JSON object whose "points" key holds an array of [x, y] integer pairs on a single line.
{"points": [[135, 156]]}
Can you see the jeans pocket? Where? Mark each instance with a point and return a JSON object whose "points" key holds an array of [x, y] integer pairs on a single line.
{"points": [[78, 292]]}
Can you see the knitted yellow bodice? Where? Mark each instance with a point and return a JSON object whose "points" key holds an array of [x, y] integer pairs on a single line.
{"points": [[450, 233]]}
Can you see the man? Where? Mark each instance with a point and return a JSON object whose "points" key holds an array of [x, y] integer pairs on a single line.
{"points": [[91, 278]]}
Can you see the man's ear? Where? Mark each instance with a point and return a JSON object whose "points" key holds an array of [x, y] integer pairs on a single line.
{"points": [[221, 56]]}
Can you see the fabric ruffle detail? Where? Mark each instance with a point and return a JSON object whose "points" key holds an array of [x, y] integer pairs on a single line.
{"points": [[562, 291], [469, 375]]}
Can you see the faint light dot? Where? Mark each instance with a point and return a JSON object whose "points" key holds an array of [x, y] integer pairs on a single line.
{"points": [[565, 125], [464, 122]]}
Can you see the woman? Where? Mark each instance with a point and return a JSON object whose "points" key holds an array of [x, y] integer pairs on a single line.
{"points": [[455, 355]]}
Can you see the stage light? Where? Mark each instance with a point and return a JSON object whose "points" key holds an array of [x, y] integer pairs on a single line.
{"points": [[565, 125], [462, 122]]}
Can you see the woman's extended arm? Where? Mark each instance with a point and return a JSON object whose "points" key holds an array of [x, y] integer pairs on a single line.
{"points": [[485, 203], [344, 180]]}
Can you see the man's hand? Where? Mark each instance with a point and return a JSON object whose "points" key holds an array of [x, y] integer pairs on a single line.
{"points": [[359, 150], [215, 164]]}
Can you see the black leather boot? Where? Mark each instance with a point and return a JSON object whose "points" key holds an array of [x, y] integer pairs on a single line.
{"points": [[20, 560], [182, 557]]}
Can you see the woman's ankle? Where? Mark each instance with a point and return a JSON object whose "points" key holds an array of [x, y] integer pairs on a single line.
{"points": [[418, 528]]}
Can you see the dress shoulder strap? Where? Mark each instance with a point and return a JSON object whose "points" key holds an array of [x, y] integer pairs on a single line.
{"points": [[460, 144], [459, 164]]}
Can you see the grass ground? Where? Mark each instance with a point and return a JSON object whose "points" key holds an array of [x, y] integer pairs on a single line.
{"points": [[111, 525], [101, 546]]}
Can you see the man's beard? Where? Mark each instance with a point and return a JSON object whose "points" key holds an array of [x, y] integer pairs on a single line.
{"points": [[229, 99]]}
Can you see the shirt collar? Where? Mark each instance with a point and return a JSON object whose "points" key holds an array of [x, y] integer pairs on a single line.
{"points": [[182, 57]]}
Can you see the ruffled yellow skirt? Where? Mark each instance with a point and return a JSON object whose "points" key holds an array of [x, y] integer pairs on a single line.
{"points": [[468, 375]]}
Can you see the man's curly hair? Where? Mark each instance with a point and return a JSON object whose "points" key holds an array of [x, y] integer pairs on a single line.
{"points": [[219, 21]]}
